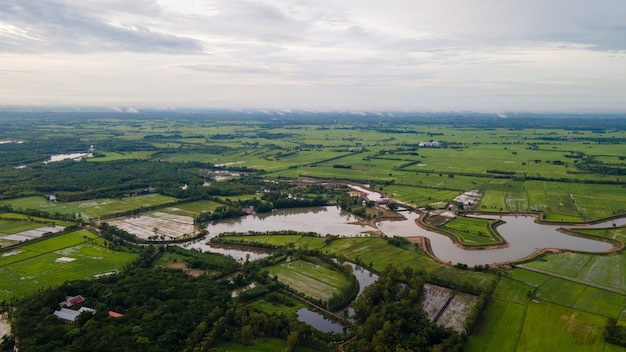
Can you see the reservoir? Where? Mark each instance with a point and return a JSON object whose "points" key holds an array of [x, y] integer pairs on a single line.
{"points": [[323, 220], [521, 232]]}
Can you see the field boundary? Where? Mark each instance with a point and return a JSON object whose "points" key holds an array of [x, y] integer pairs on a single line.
{"points": [[572, 279]]}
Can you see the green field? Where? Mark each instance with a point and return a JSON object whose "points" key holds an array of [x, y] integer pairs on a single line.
{"points": [[601, 270], [274, 308], [92, 208], [512, 322], [34, 266], [517, 166], [375, 253], [472, 231], [261, 345], [298, 241], [311, 279], [191, 208]]}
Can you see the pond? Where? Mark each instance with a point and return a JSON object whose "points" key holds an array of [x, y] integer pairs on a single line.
{"points": [[318, 321], [524, 235], [239, 254], [323, 220]]}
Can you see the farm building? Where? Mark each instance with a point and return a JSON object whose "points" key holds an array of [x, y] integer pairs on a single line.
{"points": [[70, 315], [72, 300], [115, 314]]}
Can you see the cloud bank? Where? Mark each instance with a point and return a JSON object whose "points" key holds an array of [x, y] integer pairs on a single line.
{"points": [[486, 55]]}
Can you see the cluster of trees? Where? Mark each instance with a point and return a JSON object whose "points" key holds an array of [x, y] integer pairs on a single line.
{"points": [[205, 261], [591, 165], [614, 333], [389, 317], [161, 308]]}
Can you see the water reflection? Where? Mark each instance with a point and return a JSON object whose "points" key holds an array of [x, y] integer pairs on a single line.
{"points": [[240, 255], [323, 220], [318, 321], [523, 234]]}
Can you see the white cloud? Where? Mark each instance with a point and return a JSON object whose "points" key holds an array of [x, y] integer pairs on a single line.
{"points": [[488, 55]]}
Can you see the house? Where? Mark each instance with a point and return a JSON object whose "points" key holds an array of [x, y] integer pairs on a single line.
{"points": [[70, 315], [71, 301], [431, 144]]}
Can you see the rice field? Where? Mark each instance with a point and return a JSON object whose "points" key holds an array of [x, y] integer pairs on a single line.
{"points": [[313, 280], [95, 208], [156, 225], [71, 256]]}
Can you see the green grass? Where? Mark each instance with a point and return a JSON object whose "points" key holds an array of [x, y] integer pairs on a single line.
{"points": [[260, 345], [528, 277], [242, 197], [90, 208], [113, 156], [513, 291], [377, 254], [35, 266], [567, 264], [601, 302], [273, 308], [472, 231], [560, 291], [313, 280], [605, 270], [551, 327], [36, 219], [191, 208]]}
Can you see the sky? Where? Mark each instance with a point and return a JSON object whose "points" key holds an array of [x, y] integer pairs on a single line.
{"points": [[405, 55]]}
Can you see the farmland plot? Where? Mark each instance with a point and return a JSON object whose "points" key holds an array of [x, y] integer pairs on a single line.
{"points": [[159, 224], [313, 280], [447, 307]]}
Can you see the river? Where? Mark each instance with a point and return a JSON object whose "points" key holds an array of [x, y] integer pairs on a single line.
{"points": [[523, 234]]}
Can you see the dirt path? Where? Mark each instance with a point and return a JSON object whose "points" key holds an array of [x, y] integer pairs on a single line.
{"points": [[5, 328]]}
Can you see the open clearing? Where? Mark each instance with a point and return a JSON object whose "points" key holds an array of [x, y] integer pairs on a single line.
{"points": [[313, 280], [71, 256], [156, 225], [91, 208]]}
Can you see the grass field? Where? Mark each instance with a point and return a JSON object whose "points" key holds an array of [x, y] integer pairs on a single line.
{"points": [[298, 241], [39, 265], [260, 345], [377, 254], [472, 231], [191, 208], [273, 308], [91, 208], [35, 219], [512, 322], [595, 269], [313, 280]]}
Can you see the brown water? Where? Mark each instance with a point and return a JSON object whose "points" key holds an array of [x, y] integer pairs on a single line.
{"points": [[521, 232], [323, 220]]}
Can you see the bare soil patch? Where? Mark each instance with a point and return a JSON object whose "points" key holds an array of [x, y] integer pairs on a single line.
{"points": [[186, 269], [157, 225], [5, 327]]}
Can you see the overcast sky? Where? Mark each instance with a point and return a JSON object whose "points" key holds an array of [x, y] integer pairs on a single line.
{"points": [[445, 55]]}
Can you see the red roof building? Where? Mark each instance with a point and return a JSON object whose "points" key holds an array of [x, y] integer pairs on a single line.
{"points": [[115, 314], [70, 301]]}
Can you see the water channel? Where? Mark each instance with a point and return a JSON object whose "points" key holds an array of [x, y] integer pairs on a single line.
{"points": [[320, 322]]}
